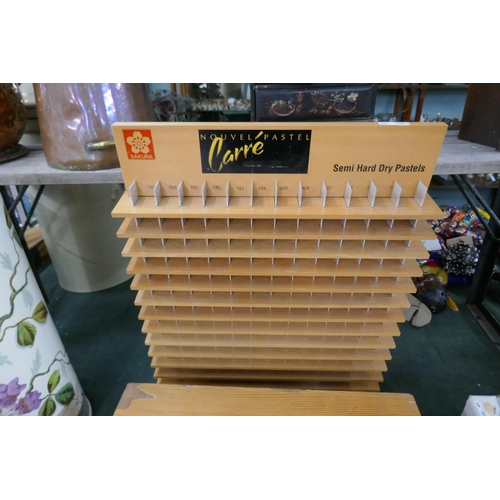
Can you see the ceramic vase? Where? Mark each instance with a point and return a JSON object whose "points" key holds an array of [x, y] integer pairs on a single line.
{"points": [[36, 376], [13, 119]]}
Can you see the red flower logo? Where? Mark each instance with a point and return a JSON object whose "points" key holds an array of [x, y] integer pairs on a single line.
{"points": [[139, 144]]}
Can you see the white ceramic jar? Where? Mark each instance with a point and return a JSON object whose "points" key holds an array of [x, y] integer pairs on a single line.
{"points": [[36, 376]]}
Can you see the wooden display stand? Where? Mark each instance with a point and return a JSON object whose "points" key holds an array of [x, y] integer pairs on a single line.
{"points": [[275, 254]]}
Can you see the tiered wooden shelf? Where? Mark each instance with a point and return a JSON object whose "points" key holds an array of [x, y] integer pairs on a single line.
{"points": [[300, 288]]}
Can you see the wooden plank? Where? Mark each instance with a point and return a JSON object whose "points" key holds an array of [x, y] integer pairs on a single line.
{"points": [[264, 208], [265, 341], [277, 301], [267, 375], [265, 229], [266, 353], [354, 385], [172, 399], [274, 364], [276, 284], [181, 150], [33, 236], [274, 316], [280, 250], [280, 267], [296, 330]]}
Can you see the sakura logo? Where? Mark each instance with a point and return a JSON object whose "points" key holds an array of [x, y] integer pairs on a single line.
{"points": [[138, 143]]}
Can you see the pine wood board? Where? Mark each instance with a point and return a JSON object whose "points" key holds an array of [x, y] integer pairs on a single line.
{"points": [[271, 364], [268, 229], [280, 250], [299, 331], [33, 236], [274, 316], [354, 385], [280, 267], [266, 284], [267, 353], [263, 208], [271, 341], [182, 400], [276, 301], [267, 375]]}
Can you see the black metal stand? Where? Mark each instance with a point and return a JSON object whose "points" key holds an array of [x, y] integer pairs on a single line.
{"points": [[487, 258], [21, 230]]}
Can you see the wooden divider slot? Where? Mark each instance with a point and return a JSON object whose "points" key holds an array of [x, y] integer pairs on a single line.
{"points": [[272, 284], [294, 329], [264, 229], [266, 315], [280, 267], [269, 341], [281, 249]]}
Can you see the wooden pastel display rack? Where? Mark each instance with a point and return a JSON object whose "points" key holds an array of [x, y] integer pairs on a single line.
{"points": [[293, 277]]}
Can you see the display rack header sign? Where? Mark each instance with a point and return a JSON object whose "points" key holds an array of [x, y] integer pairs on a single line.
{"points": [[286, 153]]}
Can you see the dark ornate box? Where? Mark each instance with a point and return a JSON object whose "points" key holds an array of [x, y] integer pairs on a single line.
{"points": [[313, 102]]}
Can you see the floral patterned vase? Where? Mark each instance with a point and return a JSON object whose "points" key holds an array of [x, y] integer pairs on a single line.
{"points": [[36, 376]]}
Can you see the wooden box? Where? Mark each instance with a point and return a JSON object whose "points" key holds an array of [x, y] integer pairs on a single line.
{"points": [[312, 102]]}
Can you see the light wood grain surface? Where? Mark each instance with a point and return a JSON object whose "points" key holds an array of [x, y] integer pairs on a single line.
{"points": [[370, 267], [178, 157], [268, 285], [240, 376], [269, 341], [264, 208], [281, 249], [265, 229], [351, 385], [267, 353], [262, 315], [278, 300], [296, 330], [166, 399], [271, 364]]}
